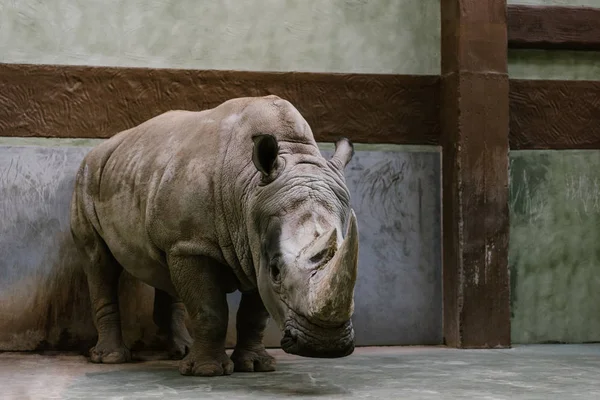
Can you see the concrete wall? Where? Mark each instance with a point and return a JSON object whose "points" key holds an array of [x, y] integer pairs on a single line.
{"points": [[43, 295], [379, 36], [44, 301], [554, 252]]}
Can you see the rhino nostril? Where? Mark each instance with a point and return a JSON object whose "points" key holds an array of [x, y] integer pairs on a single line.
{"points": [[289, 340], [290, 335]]}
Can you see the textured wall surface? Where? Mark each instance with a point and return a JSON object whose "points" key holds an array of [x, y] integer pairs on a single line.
{"points": [[70, 101], [539, 64], [43, 294], [379, 36], [44, 299], [554, 114], [555, 246], [554, 252]]}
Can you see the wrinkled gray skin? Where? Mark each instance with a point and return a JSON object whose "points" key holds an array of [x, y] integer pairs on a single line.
{"points": [[200, 204]]}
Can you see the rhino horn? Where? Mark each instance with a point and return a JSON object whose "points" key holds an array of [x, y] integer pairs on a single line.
{"points": [[331, 293]]}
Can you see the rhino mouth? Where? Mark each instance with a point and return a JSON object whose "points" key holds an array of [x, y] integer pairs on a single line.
{"points": [[304, 338]]}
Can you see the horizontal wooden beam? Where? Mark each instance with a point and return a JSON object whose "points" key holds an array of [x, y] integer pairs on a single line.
{"points": [[554, 114], [553, 27], [97, 102]]}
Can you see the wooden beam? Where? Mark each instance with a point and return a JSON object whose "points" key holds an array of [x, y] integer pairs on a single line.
{"points": [[475, 123], [97, 102], [94, 102], [553, 27], [552, 114]]}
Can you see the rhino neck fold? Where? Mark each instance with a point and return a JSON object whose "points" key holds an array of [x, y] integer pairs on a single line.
{"points": [[232, 195]]}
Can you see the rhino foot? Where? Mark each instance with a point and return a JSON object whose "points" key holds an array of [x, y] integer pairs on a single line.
{"points": [[169, 316], [109, 355], [206, 366], [253, 360]]}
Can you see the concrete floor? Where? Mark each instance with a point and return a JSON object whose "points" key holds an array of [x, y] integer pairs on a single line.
{"points": [[524, 372]]}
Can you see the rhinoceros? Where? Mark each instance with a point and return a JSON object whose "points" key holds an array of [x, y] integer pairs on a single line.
{"points": [[198, 204]]}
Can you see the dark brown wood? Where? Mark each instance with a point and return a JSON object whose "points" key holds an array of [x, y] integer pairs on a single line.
{"points": [[475, 120], [551, 114], [97, 102], [553, 27], [71, 101]]}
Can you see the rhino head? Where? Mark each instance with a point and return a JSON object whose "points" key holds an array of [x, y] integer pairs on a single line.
{"points": [[308, 245]]}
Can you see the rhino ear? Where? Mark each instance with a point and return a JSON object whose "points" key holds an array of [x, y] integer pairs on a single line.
{"points": [[344, 151], [265, 153]]}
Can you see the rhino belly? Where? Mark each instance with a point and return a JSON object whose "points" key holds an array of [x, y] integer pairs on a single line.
{"points": [[132, 248]]}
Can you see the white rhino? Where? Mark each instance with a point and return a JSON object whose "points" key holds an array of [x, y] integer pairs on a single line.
{"points": [[200, 204]]}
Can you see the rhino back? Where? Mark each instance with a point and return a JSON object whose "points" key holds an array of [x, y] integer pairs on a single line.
{"points": [[179, 183]]}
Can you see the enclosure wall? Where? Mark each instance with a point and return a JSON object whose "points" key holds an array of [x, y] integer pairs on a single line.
{"points": [[554, 251], [395, 189]]}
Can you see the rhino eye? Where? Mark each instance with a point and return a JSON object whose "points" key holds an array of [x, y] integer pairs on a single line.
{"points": [[320, 256], [275, 272]]}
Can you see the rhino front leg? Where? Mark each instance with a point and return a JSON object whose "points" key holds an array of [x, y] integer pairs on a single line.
{"points": [[169, 316], [250, 354], [200, 283]]}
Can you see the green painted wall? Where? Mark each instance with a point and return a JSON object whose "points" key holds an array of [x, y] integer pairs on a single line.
{"points": [[555, 246], [373, 36], [554, 251], [540, 64]]}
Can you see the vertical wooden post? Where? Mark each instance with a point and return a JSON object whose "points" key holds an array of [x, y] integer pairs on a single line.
{"points": [[475, 173]]}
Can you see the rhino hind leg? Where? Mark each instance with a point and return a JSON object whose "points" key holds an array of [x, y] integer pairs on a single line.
{"points": [[200, 282], [169, 316], [250, 354], [102, 272]]}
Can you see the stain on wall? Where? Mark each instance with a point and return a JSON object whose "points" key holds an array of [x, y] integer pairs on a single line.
{"points": [[376, 36], [44, 303]]}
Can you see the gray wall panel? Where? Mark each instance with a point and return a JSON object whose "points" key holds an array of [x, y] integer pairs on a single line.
{"points": [[43, 294]]}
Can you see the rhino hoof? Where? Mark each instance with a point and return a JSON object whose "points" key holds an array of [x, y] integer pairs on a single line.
{"points": [[253, 361], [201, 366], [102, 355]]}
